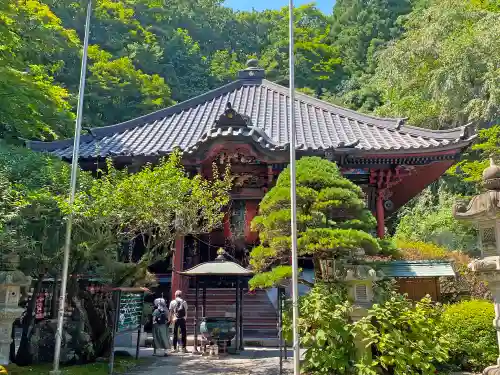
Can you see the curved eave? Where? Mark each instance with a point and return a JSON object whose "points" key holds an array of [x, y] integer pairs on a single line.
{"points": [[321, 126], [60, 148], [216, 269]]}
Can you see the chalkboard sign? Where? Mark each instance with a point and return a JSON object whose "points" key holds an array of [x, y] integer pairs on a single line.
{"points": [[130, 311]]}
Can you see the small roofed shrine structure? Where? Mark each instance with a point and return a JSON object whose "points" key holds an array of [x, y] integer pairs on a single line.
{"points": [[204, 275], [246, 124]]}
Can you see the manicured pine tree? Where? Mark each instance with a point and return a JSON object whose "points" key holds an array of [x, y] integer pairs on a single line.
{"points": [[332, 218]]}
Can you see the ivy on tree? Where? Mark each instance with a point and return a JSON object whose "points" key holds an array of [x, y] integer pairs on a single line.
{"points": [[333, 221]]}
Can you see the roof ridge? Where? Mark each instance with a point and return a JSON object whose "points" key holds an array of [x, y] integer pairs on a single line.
{"points": [[179, 107], [103, 131], [383, 122], [321, 103]]}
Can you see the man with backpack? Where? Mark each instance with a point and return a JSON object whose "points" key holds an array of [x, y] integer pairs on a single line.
{"points": [[178, 313]]}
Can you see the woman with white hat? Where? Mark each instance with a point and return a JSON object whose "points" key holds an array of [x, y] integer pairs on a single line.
{"points": [[160, 327]]}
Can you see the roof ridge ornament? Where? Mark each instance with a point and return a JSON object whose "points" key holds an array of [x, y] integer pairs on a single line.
{"points": [[221, 255], [231, 118], [401, 122], [252, 73]]}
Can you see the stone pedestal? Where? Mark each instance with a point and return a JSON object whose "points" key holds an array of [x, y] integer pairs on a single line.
{"points": [[488, 270], [10, 292], [483, 211]]}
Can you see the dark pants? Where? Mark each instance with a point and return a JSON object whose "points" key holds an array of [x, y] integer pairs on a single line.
{"points": [[180, 324]]}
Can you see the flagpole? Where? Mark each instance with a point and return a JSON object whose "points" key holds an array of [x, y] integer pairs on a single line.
{"points": [[74, 172], [293, 201]]}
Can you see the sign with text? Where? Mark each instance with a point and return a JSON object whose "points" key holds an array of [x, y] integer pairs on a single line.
{"points": [[130, 311]]}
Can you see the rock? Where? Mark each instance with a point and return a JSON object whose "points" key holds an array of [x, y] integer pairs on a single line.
{"points": [[76, 345]]}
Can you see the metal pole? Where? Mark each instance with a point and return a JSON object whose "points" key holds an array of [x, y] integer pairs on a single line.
{"points": [[74, 171], [293, 201]]}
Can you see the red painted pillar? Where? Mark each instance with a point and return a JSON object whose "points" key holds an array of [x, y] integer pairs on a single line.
{"points": [[178, 265], [380, 216], [227, 224], [251, 209]]}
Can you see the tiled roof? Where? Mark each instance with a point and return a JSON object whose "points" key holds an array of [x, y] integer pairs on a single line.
{"points": [[320, 126], [216, 268], [416, 269]]}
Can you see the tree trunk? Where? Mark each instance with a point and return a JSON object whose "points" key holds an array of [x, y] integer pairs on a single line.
{"points": [[318, 274], [24, 355], [100, 316]]}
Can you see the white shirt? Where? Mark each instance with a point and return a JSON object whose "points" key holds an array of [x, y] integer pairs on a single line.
{"points": [[173, 304]]}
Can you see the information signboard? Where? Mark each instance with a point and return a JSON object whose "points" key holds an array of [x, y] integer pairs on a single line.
{"points": [[129, 304], [130, 311]]}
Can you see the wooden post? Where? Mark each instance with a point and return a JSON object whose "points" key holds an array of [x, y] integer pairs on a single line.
{"points": [[204, 301], [139, 331], [237, 314], [195, 348], [178, 266], [282, 292], [241, 320], [115, 327], [380, 215]]}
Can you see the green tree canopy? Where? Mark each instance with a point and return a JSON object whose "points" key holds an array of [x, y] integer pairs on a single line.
{"points": [[443, 71], [332, 220], [157, 203]]}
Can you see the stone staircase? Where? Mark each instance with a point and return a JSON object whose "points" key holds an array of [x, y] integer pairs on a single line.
{"points": [[259, 315]]}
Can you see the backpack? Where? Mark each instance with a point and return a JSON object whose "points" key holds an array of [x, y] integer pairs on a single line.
{"points": [[161, 319], [179, 310]]}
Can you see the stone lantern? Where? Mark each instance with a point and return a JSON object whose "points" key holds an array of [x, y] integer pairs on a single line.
{"points": [[484, 212], [359, 280], [11, 282]]}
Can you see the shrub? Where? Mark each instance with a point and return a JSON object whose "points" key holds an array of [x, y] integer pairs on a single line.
{"points": [[473, 338], [418, 250], [466, 281], [405, 339], [325, 331]]}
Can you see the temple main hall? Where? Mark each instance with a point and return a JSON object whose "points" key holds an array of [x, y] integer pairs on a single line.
{"points": [[246, 123]]}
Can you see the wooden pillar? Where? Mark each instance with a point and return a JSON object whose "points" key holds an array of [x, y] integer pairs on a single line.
{"points": [[227, 224], [204, 301], [237, 315], [195, 344], [241, 346], [251, 209], [380, 215], [178, 265]]}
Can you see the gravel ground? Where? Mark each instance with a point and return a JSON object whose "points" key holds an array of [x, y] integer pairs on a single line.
{"points": [[253, 361], [250, 362]]}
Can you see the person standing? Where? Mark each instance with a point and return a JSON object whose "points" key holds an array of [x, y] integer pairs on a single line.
{"points": [[178, 313], [160, 327]]}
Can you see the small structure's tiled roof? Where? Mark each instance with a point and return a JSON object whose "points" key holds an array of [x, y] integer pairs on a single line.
{"points": [[416, 269], [217, 268], [320, 126]]}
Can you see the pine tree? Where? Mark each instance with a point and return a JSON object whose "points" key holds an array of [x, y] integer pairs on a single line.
{"points": [[332, 219]]}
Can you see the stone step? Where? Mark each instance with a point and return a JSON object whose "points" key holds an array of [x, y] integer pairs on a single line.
{"points": [[259, 314]]}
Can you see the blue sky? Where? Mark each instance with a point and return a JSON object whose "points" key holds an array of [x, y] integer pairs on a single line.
{"points": [[325, 5]]}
